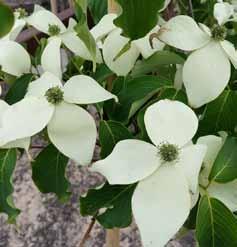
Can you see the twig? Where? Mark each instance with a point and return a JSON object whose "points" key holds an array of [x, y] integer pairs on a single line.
{"points": [[112, 236], [37, 146], [87, 234], [190, 7]]}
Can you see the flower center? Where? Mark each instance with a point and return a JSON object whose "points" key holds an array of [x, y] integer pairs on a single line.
{"points": [[219, 33], [22, 13], [54, 95], [54, 30], [168, 152]]}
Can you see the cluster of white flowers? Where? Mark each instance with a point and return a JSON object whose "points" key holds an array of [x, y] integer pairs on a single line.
{"points": [[168, 186], [48, 101]]}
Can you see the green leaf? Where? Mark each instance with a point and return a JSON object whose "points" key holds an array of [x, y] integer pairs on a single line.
{"points": [[110, 133], [133, 95], [138, 17], [82, 29], [48, 172], [166, 93], [159, 58], [7, 166], [102, 73], [98, 9], [225, 166], [220, 114], [112, 201], [7, 19], [18, 89], [216, 225]]}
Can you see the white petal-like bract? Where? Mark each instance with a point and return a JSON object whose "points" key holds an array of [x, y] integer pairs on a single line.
{"points": [[144, 46], [51, 57], [77, 46], [21, 143], [213, 144], [40, 86], [226, 193], [190, 162], [112, 46], [170, 121], [82, 89], [222, 12], [41, 20], [73, 131], [230, 51], [161, 204], [130, 161], [104, 27], [183, 33], [206, 73], [25, 118], [14, 59]]}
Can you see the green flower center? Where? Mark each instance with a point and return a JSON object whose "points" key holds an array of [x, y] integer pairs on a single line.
{"points": [[54, 30], [54, 95], [22, 13], [219, 33], [168, 152]]}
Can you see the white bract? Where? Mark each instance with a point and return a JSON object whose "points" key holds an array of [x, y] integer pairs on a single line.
{"points": [[207, 69], [50, 103], [225, 192], [167, 170], [223, 12], [14, 59], [114, 43], [20, 143]]}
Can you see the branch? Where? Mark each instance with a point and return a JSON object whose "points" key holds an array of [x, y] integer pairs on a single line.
{"points": [[87, 234], [190, 7]]}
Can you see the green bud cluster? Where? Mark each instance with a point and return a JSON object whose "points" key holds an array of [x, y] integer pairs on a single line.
{"points": [[22, 13], [54, 30], [219, 33], [168, 152], [54, 95]]}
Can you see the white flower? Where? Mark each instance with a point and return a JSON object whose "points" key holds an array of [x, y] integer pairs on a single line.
{"points": [[207, 70], [114, 43], [20, 143], [48, 23], [50, 103], [225, 192], [167, 170], [223, 12]]}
